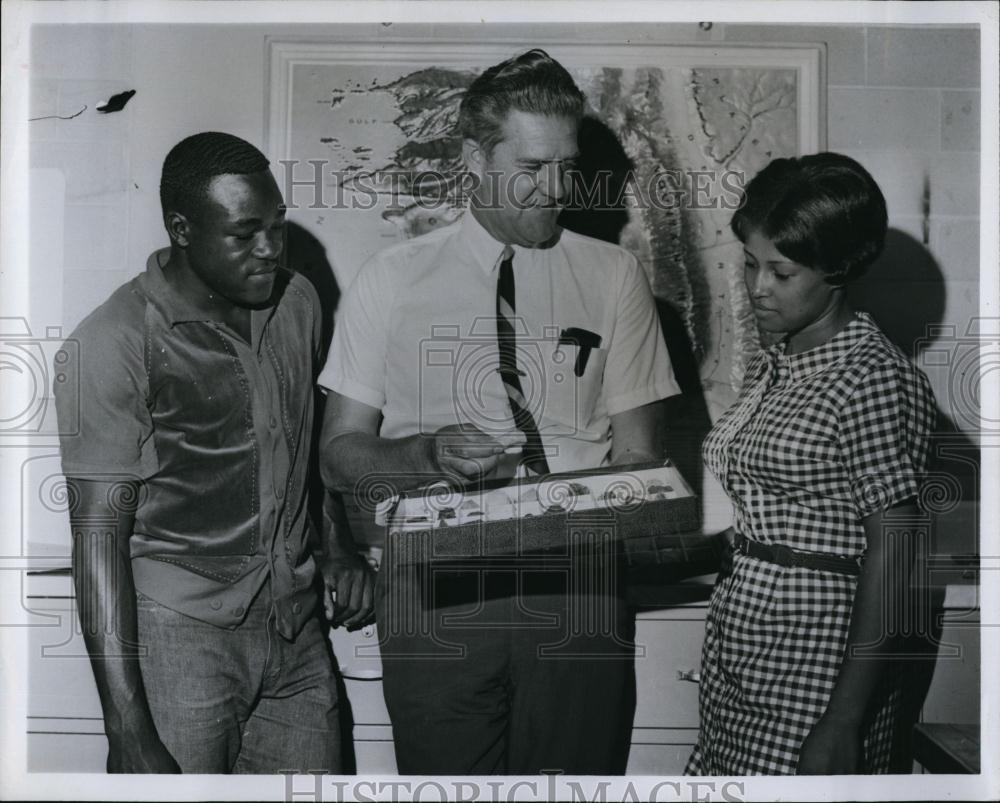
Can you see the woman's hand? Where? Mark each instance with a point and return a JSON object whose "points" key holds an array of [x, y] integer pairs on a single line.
{"points": [[833, 747]]}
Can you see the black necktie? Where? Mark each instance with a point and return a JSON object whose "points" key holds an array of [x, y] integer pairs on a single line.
{"points": [[533, 455]]}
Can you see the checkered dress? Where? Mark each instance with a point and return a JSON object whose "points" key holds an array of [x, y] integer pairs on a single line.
{"points": [[816, 442]]}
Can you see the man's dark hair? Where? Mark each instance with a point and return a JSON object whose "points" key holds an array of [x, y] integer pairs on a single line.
{"points": [[533, 82], [824, 211], [194, 161]]}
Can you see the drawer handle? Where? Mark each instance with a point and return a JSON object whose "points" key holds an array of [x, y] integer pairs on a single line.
{"points": [[690, 675], [350, 673]]}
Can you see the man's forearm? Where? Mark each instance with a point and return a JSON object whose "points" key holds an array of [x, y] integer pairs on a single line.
{"points": [[633, 456], [350, 460], [105, 594], [106, 602], [337, 540], [637, 435]]}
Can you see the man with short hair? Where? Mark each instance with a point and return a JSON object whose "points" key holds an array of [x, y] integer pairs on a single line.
{"points": [[526, 669], [195, 582]]}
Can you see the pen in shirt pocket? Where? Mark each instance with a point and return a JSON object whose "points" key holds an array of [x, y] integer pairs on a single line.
{"points": [[584, 340]]}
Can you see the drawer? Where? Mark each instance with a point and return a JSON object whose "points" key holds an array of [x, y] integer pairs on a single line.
{"points": [[60, 680], [357, 652], [367, 703], [52, 749], [375, 757], [361, 667], [667, 651], [660, 751], [373, 751], [954, 692]]}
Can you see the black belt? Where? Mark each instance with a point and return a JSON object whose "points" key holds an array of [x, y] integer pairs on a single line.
{"points": [[786, 556]]}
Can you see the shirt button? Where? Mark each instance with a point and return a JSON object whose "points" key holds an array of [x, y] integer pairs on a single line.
{"points": [[296, 608], [216, 604], [238, 611]]}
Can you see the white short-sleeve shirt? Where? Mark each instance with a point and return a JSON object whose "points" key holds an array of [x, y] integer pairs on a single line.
{"points": [[415, 338]]}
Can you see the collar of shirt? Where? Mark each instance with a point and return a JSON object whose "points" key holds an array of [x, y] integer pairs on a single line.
{"points": [[177, 309], [487, 252], [806, 363]]}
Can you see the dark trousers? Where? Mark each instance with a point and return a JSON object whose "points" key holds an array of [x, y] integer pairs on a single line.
{"points": [[517, 671]]}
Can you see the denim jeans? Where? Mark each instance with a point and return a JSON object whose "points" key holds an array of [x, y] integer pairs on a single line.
{"points": [[240, 701]]}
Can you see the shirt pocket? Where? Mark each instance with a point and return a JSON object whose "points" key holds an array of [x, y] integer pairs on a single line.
{"points": [[571, 402]]}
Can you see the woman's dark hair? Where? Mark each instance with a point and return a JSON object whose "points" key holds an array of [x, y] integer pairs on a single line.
{"points": [[532, 82], [824, 211]]}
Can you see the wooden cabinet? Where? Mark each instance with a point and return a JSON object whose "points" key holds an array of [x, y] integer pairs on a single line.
{"points": [[953, 691], [668, 650], [65, 729], [358, 659], [668, 657], [66, 734]]}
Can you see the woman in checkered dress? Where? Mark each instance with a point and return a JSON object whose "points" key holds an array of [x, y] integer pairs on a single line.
{"points": [[826, 443]]}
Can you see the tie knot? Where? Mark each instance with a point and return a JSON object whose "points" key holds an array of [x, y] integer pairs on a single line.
{"points": [[507, 255]]}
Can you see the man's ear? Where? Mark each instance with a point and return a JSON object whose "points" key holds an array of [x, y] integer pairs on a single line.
{"points": [[474, 157], [178, 228]]}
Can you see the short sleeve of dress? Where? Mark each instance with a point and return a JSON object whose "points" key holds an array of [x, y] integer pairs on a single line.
{"points": [[885, 432], [104, 423]]}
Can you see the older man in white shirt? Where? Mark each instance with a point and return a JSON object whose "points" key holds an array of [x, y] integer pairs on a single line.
{"points": [[501, 329]]}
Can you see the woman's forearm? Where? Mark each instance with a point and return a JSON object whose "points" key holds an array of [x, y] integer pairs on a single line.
{"points": [[880, 609]]}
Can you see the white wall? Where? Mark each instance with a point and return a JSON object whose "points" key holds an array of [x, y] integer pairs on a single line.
{"points": [[188, 79]]}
